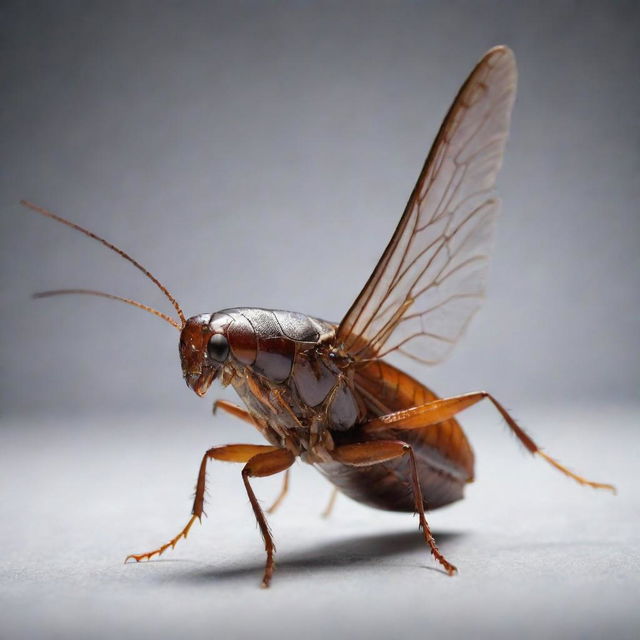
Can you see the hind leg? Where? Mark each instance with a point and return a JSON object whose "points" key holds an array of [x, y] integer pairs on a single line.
{"points": [[434, 412]]}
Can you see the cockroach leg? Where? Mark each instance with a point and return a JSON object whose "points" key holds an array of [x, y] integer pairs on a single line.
{"points": [[434, 412], [234, 410], [160, 550], [283, 492], [241, 413], [226, 453], [365, 454], [576, 477], [260, 466], [332, 501]]}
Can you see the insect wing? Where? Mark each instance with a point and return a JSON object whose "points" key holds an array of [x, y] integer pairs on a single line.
{"points": [[430, 279]]}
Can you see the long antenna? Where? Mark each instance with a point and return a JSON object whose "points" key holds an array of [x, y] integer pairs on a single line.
{"points": [[110, 296], [120, 252]]}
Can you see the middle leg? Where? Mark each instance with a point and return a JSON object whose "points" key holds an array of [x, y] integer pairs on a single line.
{"points": [[364, 454], [261, 466], [281, 496], [328, 510]]}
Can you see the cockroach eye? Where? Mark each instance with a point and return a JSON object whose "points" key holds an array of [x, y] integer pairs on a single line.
{"points": [[218, 347]]}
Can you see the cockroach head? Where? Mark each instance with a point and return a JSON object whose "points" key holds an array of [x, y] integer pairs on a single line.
{"points": [[204, 350]]}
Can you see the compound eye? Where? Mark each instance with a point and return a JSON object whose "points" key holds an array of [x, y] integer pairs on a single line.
{"points": [[218, 347]]}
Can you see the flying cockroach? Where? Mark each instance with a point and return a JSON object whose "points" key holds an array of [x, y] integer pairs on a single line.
{"points": [[324, 392]]}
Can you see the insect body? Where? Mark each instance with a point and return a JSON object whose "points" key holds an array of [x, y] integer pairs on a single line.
{"points": [[323, 392]]}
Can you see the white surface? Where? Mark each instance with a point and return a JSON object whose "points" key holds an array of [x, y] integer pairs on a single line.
{"points": [[538, 555]]}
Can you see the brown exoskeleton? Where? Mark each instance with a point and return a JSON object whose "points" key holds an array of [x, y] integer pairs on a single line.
{"points": [[323, 392]]}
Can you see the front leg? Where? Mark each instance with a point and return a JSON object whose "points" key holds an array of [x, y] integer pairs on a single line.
{"points": [[227, 453], [234, 410], [243, 414]]}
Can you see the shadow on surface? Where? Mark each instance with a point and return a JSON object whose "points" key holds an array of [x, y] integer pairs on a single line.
{"points": [[332, 556]]}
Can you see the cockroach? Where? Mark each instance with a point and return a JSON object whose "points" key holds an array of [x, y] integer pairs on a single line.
{"points": [[324, 392]]}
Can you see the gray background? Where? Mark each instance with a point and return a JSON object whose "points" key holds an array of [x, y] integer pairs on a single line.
{"points": [[260, 154]]}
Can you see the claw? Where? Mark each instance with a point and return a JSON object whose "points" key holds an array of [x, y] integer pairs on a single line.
{"points": [[579, 479], [160, 550]]}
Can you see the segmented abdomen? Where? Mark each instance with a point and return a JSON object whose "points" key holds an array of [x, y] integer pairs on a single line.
{"points": [[443, 454]]}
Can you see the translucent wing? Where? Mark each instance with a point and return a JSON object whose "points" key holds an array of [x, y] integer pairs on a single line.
{"points": [[430, 279]]}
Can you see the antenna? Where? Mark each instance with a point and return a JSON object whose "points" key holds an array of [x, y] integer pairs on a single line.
{"points": [[110, 296], [120, 252]]}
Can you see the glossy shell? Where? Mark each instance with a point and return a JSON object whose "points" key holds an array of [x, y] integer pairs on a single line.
{"points": [[286, 370], [268, 340]]}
